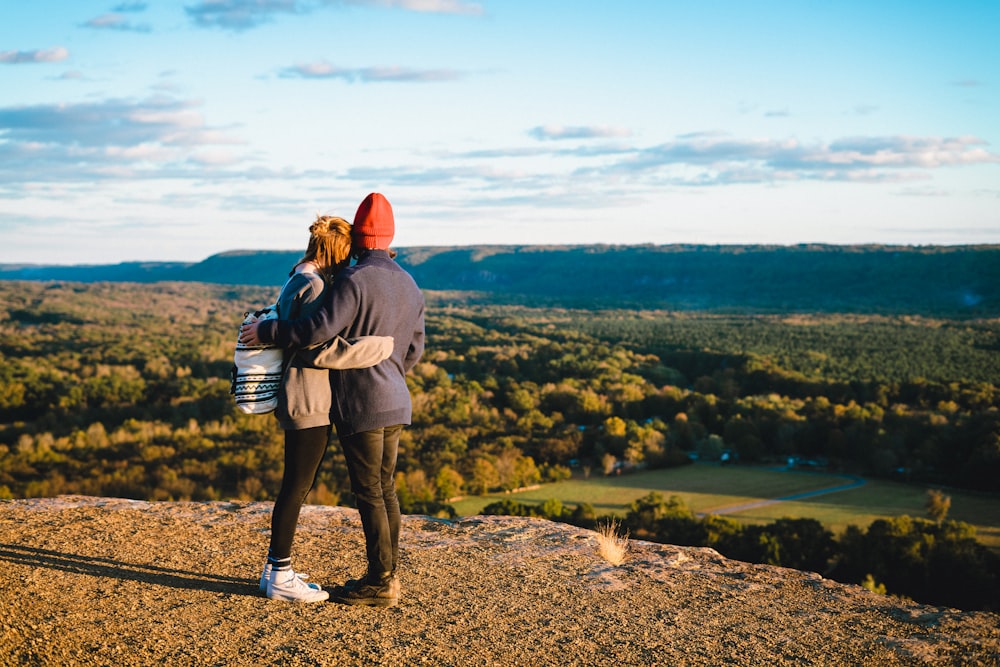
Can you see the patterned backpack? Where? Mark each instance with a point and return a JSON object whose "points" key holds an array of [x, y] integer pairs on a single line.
{"points": [[257, 370]]}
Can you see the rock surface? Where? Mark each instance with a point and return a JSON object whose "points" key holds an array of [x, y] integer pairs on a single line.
{"points": [[99, 581]]}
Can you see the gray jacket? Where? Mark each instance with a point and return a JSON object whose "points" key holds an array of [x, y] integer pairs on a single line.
{"points": [[304, 399]]}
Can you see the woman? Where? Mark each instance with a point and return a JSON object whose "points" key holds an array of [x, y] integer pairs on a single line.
{"points": [[303, 407], [371, 406]]}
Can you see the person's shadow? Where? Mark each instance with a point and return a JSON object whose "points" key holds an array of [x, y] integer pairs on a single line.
{"points": [[114, 569]]}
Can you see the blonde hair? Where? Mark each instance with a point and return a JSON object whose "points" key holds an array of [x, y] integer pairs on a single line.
{"points": [[329, 244]]}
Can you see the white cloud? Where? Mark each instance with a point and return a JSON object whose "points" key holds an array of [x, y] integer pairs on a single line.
{"points": [[215, 158], [106, 122], [168, 137], [473, 175], [968, 83], [907, 151], [714, 159], [325, 70], [556, 132], [240, 14], [115, 21], [246, 14], [429, 6], [141, 152], [696, 160], [53, 55], [925, 191], [114, 137]]}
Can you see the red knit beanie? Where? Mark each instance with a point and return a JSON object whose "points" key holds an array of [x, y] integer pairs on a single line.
{"points": [[374, 225]]}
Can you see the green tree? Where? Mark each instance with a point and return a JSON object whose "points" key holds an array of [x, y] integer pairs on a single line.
{"points": [[484, 475], [449, 483]]}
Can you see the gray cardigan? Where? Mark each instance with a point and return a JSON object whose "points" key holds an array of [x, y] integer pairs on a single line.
{"points": [[373, 297], [304, 397]]}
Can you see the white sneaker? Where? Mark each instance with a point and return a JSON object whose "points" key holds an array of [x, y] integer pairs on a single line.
{"points": [[286, 585], [266, 574]]}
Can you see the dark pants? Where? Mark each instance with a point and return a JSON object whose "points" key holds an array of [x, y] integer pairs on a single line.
{"points": [[371, 463], [304, 450]]}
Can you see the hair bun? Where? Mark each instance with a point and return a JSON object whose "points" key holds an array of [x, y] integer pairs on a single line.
{"points": [[321, 226]]}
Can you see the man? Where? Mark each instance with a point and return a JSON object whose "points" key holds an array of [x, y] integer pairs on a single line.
{"points": [[372, 405]]}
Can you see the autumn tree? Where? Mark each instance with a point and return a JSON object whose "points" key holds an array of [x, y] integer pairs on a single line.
{"points": [[937, 504]]}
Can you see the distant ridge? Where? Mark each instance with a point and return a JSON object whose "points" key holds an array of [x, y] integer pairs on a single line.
{"points": [[931, 280], [141, 272]]}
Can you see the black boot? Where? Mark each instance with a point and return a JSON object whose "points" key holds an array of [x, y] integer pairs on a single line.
{"points": [[351, 584], [372, 591]]}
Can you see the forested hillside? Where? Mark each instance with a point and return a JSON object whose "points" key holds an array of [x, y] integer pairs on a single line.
{"points": [[951, 281], [122, 389]]}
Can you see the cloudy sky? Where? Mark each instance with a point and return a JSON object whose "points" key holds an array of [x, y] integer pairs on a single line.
{"points": [[172, 130]]}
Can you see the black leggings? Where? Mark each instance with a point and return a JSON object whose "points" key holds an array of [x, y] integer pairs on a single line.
{"points": [[304, 450]]}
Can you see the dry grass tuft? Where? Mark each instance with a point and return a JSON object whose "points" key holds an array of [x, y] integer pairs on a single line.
{"points": [[610, 545]]}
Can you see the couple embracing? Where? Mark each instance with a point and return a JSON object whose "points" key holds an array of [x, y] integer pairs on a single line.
{"points": [[325, 297]]}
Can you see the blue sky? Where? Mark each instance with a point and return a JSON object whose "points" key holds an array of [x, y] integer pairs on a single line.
{"points": [[161, 130]]}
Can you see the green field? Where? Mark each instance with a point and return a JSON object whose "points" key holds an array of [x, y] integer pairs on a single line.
{"points": [[711, 488]]}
